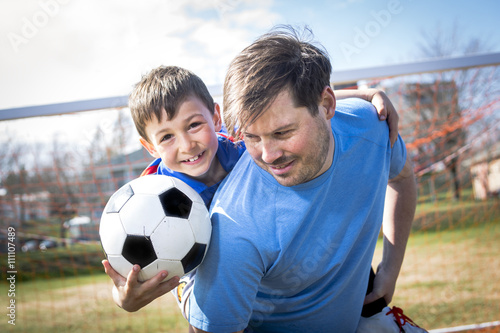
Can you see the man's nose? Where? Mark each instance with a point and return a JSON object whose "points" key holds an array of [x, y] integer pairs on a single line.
{"points": [[270, 152]]}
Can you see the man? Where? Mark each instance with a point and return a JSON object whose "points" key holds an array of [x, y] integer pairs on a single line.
{"points": [[296, 221]]}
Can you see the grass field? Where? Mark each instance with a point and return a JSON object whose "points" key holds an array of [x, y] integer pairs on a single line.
{"points": [[450, 278], [79, 305]]}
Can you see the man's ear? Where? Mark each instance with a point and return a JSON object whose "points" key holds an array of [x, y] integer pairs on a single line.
{"points": [[328, 102], [217, 118], [149, 147]]}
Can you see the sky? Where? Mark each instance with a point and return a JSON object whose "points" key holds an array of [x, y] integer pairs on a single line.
{"points": [[56, 51]]}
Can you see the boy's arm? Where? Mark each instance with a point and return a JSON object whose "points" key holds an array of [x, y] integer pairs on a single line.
{"points": [[130, 294], [399, 210], [382, 103]]}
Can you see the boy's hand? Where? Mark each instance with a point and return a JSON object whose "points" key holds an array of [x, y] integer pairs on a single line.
{"points": [[130, 294], [387, 111]]}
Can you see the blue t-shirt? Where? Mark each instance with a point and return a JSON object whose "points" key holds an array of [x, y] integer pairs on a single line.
{"points": [[297, 259], [228, 154]]}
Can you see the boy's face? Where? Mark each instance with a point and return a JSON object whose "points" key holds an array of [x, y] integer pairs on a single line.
{"points": [[188, 142]]}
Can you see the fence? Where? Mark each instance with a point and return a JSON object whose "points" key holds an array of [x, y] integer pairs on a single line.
{"points": [[60, 163]]}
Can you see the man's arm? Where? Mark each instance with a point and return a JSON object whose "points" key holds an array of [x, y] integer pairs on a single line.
{"points": [[382, 103], [399, 211]]}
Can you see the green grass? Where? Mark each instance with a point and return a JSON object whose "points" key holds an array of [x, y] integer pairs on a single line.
{"points": [[449, 215], [62, 262], [84, 305], [450, 278]]}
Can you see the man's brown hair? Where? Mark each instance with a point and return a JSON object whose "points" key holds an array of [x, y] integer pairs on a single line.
{"points": [[278, 60]]}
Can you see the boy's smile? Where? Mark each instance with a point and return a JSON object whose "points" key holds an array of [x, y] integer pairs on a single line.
{"points": [[194, 159], [188, 142]]}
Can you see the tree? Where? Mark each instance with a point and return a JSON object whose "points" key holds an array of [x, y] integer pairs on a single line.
{"points": [[450, 104], [437, 126], [16, 185]]}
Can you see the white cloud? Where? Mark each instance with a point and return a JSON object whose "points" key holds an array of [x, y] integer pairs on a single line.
{"points": [[90, 49]]}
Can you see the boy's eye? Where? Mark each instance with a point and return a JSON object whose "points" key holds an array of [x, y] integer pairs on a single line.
{"points": [[195, 124], [166, 137]]}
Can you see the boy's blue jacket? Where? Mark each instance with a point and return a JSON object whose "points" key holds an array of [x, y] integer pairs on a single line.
{"points": [[228, 154]]}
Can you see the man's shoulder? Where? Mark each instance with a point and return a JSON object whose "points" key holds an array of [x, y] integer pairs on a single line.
{"points": [[355, 117], [241, 172], [357, 107], [240, 185]]}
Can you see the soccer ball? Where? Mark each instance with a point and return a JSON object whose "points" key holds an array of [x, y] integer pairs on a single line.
{"points": [[157, 222]]}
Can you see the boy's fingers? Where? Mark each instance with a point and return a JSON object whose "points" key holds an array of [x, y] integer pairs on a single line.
{"points": [[170, 284], [117, 278], [160, 287], [393, 121], [156, 280], [132, 277], [382, 112]]}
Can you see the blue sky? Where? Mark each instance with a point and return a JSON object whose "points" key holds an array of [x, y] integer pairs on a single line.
{"points": [[57, 51]]}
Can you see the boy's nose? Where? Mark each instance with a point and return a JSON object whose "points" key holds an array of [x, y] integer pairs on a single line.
{"points": [[186, 144]]}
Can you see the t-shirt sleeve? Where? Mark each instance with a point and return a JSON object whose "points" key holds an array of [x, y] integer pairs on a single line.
{"points": [[227, 281], [360, 119], [398, 157]]}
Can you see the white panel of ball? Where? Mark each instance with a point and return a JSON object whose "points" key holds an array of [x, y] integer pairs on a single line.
{"points": [[142, 214], [173, 239], [173, 267], [138, 211], [202, 231], [112, 234]]}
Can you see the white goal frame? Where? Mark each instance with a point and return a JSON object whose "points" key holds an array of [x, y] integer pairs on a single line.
{"points": [[339, 77]]}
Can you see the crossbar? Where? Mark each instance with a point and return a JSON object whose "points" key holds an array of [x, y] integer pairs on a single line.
{"points": [[339, 77]]}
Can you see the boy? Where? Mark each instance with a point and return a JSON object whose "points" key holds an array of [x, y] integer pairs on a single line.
{"points": [[179, 124]]}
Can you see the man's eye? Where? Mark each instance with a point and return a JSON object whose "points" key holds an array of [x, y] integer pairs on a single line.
{"points": [[282, 133]]}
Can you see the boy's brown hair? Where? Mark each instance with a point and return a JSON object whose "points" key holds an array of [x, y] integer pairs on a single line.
{"points": [[278, 60], [163, 89]]}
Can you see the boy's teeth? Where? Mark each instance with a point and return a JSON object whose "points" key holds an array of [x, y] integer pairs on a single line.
{"points": [[193, 159]]}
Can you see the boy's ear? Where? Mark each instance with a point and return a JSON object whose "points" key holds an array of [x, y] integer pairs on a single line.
{"points": [[217, 118], [149, 147], [328, 102]]}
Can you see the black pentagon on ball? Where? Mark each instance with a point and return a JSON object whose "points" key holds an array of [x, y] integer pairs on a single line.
{"points": [[139, 250], [175, 203], [194, 257], [119, 199]]}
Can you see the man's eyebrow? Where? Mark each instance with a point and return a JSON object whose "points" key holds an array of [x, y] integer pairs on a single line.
{"points": [[278, 129]]}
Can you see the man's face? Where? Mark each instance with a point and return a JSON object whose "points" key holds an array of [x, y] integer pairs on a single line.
{"points": [[289, 143]]}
